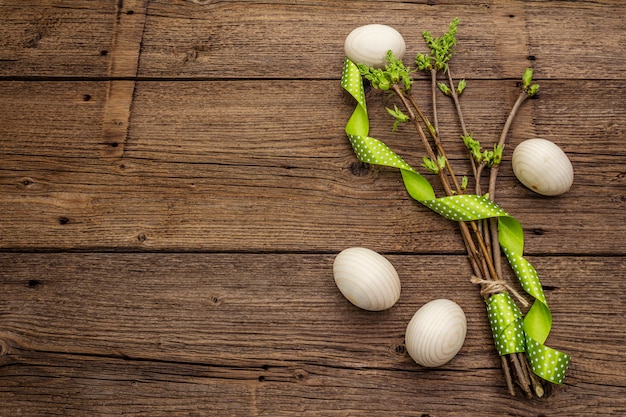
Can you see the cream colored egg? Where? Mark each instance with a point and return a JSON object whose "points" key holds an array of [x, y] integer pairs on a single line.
{"points": [[369, 44], [366, 278], [436, 333], [543, 167]]}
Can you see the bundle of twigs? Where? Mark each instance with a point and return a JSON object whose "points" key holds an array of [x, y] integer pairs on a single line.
{"points": [[480, 237]]}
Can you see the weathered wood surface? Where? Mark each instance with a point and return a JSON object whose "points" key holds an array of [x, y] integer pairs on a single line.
{"points": [[175, 183], [264, 174], [282, 39], [249, 334]]}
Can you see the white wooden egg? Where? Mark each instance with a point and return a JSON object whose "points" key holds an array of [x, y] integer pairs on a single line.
{"points": [[543, 167], [366, 278], [369, 44], [436, 333]]}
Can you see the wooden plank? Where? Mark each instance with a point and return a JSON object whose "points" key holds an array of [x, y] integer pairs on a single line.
{"points": [[172, 334], [587, 29], [495, 39], [205, 172], [56, 38], [241, 39]]}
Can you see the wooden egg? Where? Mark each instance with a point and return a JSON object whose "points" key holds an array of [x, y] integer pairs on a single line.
{"points": [[369, 44], [436, 333], [543, 167], [366, 278]]}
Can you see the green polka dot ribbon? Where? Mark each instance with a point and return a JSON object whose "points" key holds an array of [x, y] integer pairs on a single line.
{"points": [[512, 331]]}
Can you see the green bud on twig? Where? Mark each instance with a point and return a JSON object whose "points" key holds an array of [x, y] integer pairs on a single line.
{"points": [[397, 114], [497, 154], [487, 158], [474, 147], [441, 161], [527, 78], [430, 165], [383, 85], [444, 88], [527, 86], [461, 87], [394, 73], [423, 62], [464, 182]]}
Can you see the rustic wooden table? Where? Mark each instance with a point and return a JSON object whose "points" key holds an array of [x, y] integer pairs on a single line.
{"points": [[176, 182]]}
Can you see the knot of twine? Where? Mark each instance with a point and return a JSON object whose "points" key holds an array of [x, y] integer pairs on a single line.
{"points": [[489, 288]]}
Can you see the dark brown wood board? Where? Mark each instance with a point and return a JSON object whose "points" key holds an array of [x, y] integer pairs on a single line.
{"points": [[175, 182], [195, 333]]}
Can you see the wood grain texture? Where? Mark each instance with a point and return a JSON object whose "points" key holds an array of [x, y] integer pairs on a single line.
{"points": [[286, 39], [274, 171], [253, 334], [495, 39], [56, 38], [125, 50], [175, 182]]}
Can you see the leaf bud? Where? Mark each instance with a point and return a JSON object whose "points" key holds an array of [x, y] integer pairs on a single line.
{"points": [[444, 88], [527, 78]]}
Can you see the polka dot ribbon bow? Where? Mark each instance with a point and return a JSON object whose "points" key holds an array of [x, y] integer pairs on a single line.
{"points": [[512, 331]]}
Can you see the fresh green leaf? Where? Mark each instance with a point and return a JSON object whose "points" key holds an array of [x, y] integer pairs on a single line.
{"points": [[464, 182], [532, 90], [461, 86], [441, 161], [444, 88], [430, 165], [399, 117], [394, 73], [497, 154], [527, 78], [473, 146]]}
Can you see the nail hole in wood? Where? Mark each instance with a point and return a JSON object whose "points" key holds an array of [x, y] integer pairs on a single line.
{"points": [[33, 283]]}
